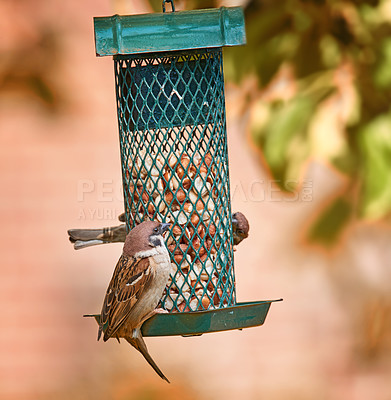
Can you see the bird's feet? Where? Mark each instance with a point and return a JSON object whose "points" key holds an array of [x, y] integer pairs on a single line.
{"points": [[161, 311]]}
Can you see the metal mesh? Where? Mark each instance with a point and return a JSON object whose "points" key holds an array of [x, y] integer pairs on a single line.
{"points": [[171, 115]]}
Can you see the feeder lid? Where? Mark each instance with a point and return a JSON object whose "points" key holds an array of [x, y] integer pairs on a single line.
{"points": [[170, 31]]}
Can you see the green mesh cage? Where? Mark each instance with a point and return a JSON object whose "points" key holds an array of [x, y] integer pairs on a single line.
{"points": [[171, 116]]}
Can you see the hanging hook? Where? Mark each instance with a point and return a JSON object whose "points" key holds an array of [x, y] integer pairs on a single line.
{"points": [[168, 1]]}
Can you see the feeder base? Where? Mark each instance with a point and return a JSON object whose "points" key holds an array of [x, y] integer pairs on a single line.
{"points": [[242, 315]]}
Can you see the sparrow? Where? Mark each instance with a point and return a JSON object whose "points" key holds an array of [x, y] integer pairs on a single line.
{"points": [[136, 287], [240, 227], [82, 238]]}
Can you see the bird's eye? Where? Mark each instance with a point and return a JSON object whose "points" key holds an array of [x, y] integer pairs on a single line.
{"points": [[240, 232], [156, 230]]}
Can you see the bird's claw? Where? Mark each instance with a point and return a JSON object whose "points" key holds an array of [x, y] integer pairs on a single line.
{"points": [[161, 311]]}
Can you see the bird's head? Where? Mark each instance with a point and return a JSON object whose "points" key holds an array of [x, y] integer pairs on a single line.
{"points": [[144, 237], [240, 227]]}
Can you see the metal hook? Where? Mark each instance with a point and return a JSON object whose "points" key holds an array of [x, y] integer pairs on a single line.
{"points": [[168, 1]]}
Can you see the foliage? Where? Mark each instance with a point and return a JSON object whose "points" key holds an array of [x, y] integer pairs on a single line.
{"points": [[322, 40]]}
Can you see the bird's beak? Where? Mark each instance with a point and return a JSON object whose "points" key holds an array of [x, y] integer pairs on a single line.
{"points": [[164, 227]]}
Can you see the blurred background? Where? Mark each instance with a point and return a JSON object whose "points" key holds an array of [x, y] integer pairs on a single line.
{"points": [[309, 129]]}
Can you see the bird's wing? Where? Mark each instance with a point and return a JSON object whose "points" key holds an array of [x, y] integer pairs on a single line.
{"points": [[110, 234], [132, 276], [84, 234]]}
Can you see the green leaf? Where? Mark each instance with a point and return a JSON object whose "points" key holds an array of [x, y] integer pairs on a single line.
{"points": [[329, 225], [269, 42], [330, 52], [283, 138], [375, 144], [286, 125], [382, 74]]}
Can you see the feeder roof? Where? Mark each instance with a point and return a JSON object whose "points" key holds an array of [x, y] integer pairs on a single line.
{"points": [[170, 31]]}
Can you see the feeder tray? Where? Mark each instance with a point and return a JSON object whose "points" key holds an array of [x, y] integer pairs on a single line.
{"points": [[240, 316], [171, 116]]}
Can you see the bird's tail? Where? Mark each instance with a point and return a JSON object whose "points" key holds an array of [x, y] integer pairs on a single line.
{"points": [[100, 331], [82, 238], [138, 343], [82, 244]]}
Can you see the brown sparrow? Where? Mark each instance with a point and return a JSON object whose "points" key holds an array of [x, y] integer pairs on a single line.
{"points": [[136, 287], [82, 238], [240, 227]]}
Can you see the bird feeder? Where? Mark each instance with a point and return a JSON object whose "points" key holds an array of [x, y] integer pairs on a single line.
{"points": [[171, 115]]}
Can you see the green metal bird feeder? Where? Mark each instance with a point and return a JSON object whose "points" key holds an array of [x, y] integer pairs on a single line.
{"points": [[171, 116]]}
